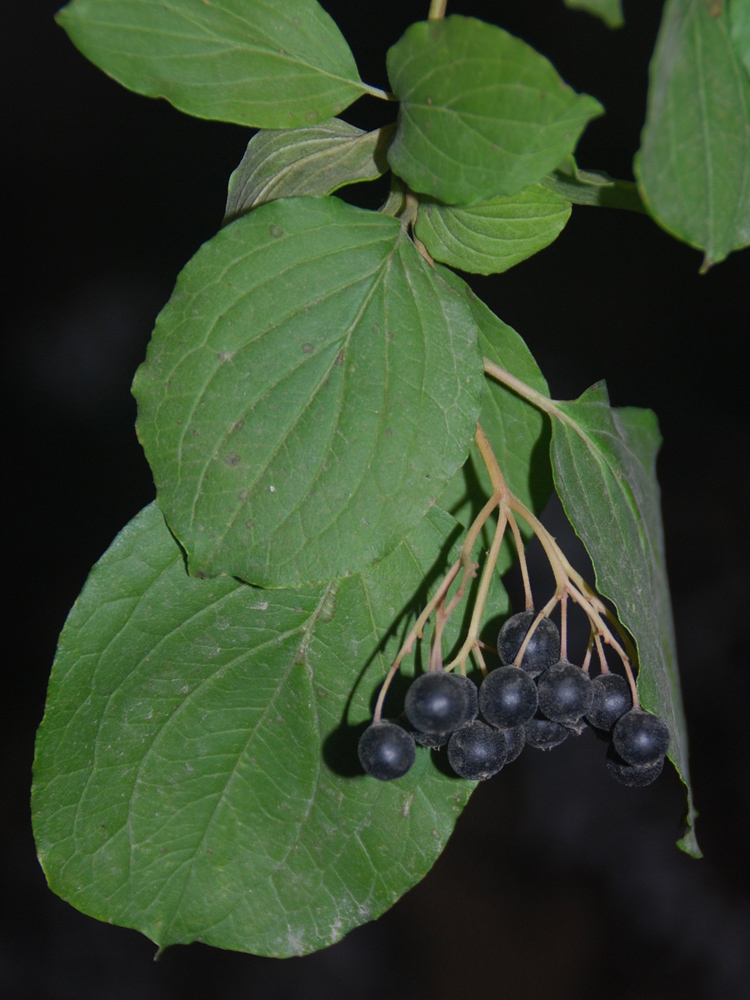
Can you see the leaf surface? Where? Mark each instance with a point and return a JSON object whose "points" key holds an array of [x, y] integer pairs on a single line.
{"points": [[739, 16], [592, 187], [481, 112], [693, 167], [196, 774], [494, 235], [610, 11], [309, 389], [284, 163], [264, 63], [604, 463], [517, 431]]}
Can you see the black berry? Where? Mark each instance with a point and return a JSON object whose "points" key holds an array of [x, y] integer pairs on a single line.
{"points": [[564, 693], [428, 740], [477, 751], [508, 697], [473, 693], [516, 742], [437, 703], [544, 646], [633, 775], [611, 699], [545, 734], [640, 737], [386, 751]]}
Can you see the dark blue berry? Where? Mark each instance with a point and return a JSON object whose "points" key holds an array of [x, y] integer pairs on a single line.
{"points": [[544, 646], [611, 699], [564, 693], [545, 734], [640, 737], [437, 703], [428, 740], [516, 742], [477, 751], [633, 775], [473, 693], [508, 697], [386, 751]]}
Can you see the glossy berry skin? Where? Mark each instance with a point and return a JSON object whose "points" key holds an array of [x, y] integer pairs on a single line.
{"points": [[544, 646], [435, 742], [632, 775], [564, 693], [545, 734], [611, 699], [386, 751], [640, 737], [437, 703], [477, 751], [508, 697]]}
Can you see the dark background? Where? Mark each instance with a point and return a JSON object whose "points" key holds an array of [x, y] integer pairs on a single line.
{"points": [[557, 882]]}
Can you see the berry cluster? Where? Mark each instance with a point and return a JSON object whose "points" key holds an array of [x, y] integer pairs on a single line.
{"points": [[536, 696], [539, 700]]}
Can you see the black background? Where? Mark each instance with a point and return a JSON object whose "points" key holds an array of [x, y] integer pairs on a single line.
{"points": [[557, 883]]}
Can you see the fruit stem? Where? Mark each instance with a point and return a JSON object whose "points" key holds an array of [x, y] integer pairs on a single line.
{"points": [[522, 562], [415, 633], [477, 651], [437, 9], [589, 651], [564, 627], [499, 486], [603, 665], [533, 627], [568, 580], [548, 406], [551, 549], [481, 598]]}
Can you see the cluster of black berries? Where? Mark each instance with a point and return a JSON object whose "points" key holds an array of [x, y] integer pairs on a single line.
{"points": [[538, 703]]}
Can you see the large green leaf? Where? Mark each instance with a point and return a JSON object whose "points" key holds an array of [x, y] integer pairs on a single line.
{"points": [[610, 11], [283, 163], [693, 168], [481, 112], [196, 773], [604, 464], [518, 432], [492, 235], [266, 63], [309, 389], [739, 15]]}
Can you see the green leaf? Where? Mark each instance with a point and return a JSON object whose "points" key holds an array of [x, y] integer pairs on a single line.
{"points": [[265, 63], [604, 463], [610, 11], [481, 112], [739, 16], [309, 389], [283, 163], [196, 773], [693, 168], [492, 235], [592, 187], [517, 431]]}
